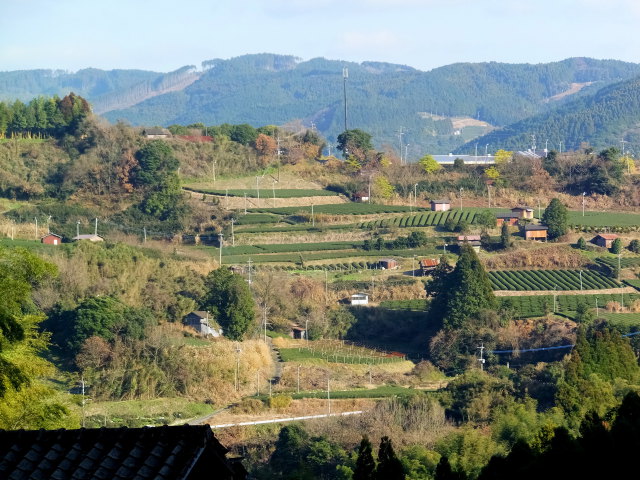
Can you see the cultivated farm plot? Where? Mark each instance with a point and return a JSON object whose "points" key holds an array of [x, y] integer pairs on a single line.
{"points": [[335, 351], [416, 304], [603, 219], [539, 305], [427, 219], [338, 209], [527, 280], [265, 193], [625, 262]]}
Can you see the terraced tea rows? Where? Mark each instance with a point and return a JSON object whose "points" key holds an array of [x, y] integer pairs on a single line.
{"points": [[522, 280], [427, 219], [539, 305]]}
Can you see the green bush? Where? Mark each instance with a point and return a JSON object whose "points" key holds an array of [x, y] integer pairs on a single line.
{"points": [[279, 402]]}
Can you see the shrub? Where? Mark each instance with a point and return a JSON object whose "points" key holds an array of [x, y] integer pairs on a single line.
{"points": [[616, 246], [248, 405], [581, 244], [280, 401], [634, 246]]}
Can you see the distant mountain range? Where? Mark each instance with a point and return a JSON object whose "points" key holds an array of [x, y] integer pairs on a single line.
{"points": [[439, 110]]}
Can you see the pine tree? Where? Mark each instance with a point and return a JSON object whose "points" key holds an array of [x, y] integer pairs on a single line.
{"points": [[581, 244], [365, 464], [467, 291], [505, 236], [616, 246], [555, 217], [389, 467]]}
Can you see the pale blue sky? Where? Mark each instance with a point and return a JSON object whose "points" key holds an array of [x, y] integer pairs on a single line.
{"points": [[163, 35]]}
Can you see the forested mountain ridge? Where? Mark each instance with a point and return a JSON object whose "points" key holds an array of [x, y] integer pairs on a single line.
{"points": [[274, 89], [605, 118]]}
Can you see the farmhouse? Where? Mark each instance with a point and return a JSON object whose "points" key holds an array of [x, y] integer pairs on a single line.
{"points": [[440, 205], [605, 239], [360, 197], [473, 240], [388, 263], [51, 239], [510, 219], [185, 452], [89, 236], [359, 299], [428, 265], [156, 132], [535, 232], [523, 212], [200, 321]]}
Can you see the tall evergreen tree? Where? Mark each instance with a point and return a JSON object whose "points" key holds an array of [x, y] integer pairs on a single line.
{"points": [[365, 464], [465, 292], [555, 217], [505, 236], [389, 466]]}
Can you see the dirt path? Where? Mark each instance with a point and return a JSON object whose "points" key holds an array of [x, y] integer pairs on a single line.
{"points": [[529, 293]]}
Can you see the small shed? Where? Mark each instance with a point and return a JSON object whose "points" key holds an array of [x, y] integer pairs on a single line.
{"points": [[202, 323], [535, 232], [605, 239], [359, 299], [388, 263], [440, 205], [468, 238], [51, 239], [510, 219], [89, 236], [523, 212], [361, 197], [428, 265], [297, 332], [156, 132]]}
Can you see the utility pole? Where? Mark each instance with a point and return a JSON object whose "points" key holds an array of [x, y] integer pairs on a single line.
{"points": [[369, 197], [245, 203], [481, 359], [345, 75], [36, 237], [476, 152], [580, 272], [95, 229], [415, 194], [329, 392], [597, 310], [313, 218], [413, 266], [220, 248], [273, 189], [78, 228], [546, 144], [48, 220], [583, 195], [144, 230], [489, 194], [533, 143], [213, 170], [257, 188], [326, 286], [461, 189], [560, 147], [249, 266], [298, 378], [238, 350], [623, 141], [400, 134], [233, 238], [406, 153], [83, 399], [554, 298]]}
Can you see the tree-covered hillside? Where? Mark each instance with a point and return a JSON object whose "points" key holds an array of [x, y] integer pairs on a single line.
{"points": [[273, 89], [601, 119]]}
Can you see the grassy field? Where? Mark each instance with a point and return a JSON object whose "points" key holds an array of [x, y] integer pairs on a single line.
{"points": [[356, 356], [325, 255], [522, 280], [539, 305], [604, 219], [265, 193], [339, 209], [378, 392], [622, 319], [138, 413], [289, 247]]}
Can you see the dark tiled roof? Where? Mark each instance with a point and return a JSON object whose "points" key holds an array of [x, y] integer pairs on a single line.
{"points": [[182, 452], [534, 228]]}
